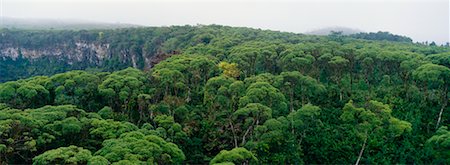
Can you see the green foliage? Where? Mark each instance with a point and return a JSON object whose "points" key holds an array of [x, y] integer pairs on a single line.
{"points": [[373, 118], [382, 36], [24, 132], [64, 155], [440, 145], [235, 156], [100, 160], [168, 129], [138, 148], [440, 59], [265, 94], [190, 94], [45, 132], [229, 70], [122, 89], [432, 75], [299, 89], [77, 88], [108, 129], [371, 121], [106, 113], [24, 95]]}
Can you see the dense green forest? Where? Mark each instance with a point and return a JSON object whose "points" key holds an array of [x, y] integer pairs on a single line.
{"points": [[224, 95]]}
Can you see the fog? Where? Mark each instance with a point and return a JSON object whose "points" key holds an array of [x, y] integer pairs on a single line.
{"points": [[422, 20]]}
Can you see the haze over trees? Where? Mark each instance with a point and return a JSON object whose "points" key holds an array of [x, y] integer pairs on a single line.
{"points": [[221, 95]]}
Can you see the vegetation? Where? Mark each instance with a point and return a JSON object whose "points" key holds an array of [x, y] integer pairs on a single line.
{"points": [[381, 36], [231, 96]]}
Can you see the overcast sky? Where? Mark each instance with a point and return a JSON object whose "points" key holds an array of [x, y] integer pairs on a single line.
{"points": [[422, 20]]}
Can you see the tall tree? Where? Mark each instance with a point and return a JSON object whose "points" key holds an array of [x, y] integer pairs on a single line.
{"points": [[435, 77], [372, 119]]}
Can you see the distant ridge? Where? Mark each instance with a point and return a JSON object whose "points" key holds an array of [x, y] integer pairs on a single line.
{"points": [[328, 30], [43, 24]]}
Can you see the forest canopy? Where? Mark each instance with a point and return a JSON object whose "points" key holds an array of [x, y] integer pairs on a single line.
{"points": [[224, 95]]}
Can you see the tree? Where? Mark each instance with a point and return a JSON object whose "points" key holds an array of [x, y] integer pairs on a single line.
{"points": [[207, 88], [304, 121], [274, 142], [299, 88], [63, 155], [77, 88], [247, 118], [279, 141], [407, 68], [171, 81], [381, 36], [180, 78], [221, 95], [217, 94], [229, 69], [297, 58], [435, 77], [372, 119], [121, 90], [267, 59], [24, 94], [139, 148], [338, 65], [143, 107], [167, 128], [106, 113], [100, 160], [336, 36], [108, 129], [235, 156], [265, 94], [23, 133], [439, 144], [440, 59]]}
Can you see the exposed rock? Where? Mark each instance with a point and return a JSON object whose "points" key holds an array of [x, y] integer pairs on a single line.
{"points": [[9, 52], [93, 52]]}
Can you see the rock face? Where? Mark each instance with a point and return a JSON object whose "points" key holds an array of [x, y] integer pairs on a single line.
{"points": [[99, 51], [78, 52], [21, 61], [10, 52], [24, 54]]}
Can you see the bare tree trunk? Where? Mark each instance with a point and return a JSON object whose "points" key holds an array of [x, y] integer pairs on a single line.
{"points": [[444, 104], [188, 98], [440, 115], [361, 152], [234, 135], [246, 133]]}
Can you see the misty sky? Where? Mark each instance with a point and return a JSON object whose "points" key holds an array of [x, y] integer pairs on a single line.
{"points": [[422, 20]]}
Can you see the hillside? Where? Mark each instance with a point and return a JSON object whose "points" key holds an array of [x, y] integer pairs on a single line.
{"points": [[25, 53], [218, 94]]}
